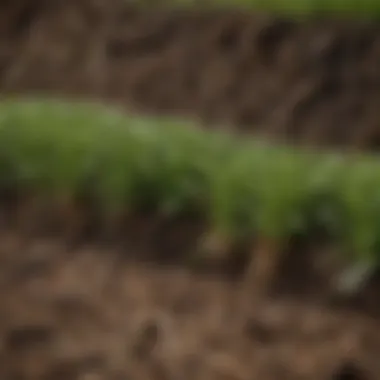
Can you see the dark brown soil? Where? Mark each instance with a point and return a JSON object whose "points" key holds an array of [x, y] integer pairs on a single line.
{"points": [[84, 313], [76, 306], [80, 310], [315, 81]]}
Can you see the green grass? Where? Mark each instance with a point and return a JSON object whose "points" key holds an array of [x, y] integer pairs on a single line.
{"points": [[243, 188], [356, 8]]}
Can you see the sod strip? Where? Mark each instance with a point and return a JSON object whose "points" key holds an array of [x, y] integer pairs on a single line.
{"points": [[356, 8], [243, 188]]}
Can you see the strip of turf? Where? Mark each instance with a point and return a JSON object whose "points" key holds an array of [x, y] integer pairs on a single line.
{"points": [[356, 8], [243, 187]]}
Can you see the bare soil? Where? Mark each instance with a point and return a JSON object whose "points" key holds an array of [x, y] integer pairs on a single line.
{"points": [[76, 303], [314, 81], [87, 308], [86, 312]]}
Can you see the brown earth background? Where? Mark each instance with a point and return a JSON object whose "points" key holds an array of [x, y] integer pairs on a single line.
{"points": [[83, 310]]}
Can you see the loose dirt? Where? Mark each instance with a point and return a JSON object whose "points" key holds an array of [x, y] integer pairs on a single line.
{"points": [[84, 313], [315, 81], [90, 305], [86, 310]]}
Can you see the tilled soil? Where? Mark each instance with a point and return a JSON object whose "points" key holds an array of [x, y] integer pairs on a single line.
{"points": [[315, 81], [81, 305], [85, 313]]}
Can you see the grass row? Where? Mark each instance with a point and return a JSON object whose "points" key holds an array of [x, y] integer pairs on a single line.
{"points": [[241, 187], [357, 8]]}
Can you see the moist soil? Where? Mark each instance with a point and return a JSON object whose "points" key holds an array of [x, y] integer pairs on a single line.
{"points": [[89, 309], [79, 302], [89, 312], [314, 81]]}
